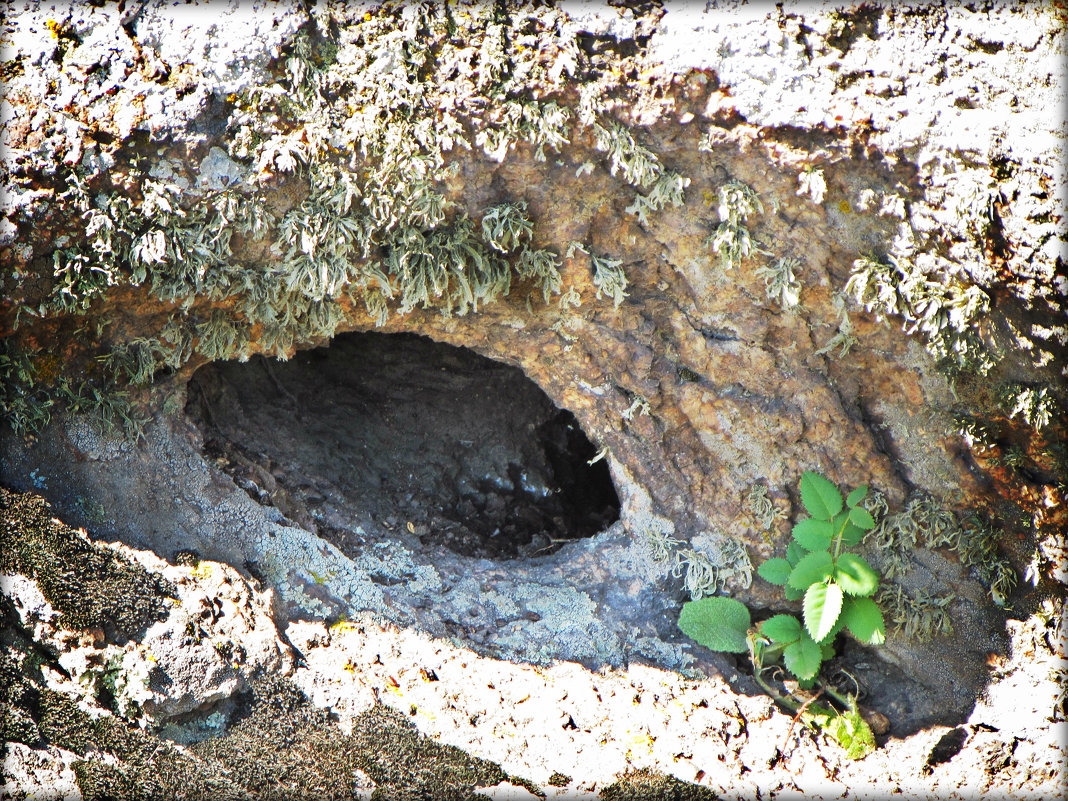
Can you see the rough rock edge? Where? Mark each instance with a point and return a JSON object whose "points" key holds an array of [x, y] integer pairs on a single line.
{"points": [[594, 728]]}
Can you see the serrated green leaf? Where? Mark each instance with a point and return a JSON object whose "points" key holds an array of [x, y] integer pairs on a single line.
{"points": [[828, 639], [803, 658], [853, 734], [820, 496], [855, 575], [813, 534], [857, 495], [823, 605], [826, 650], [781, 629], [775, 571], [794, 553], [718, 623], [819, 714], [864, 619], [851, 535], [861, 518], [812, 568], [839, 522], [792, 593]]}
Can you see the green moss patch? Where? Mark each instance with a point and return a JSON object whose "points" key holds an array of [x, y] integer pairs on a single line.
{"points": [[649, 785], [285, 743], [92, 586]]}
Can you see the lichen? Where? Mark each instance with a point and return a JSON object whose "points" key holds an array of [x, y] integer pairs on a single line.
{"points": [[780, 282], [732, 240], [923, 522], [356, 122], [941, 307]]}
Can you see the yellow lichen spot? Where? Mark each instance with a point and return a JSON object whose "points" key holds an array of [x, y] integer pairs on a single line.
{"points": [[845, 208], [639, 743], [201, 571], [343, 627], [710, 197], [367, 16], [53, 28], [232, 97], [351, 668]]}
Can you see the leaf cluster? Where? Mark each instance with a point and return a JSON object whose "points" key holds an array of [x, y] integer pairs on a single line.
{"points": [[835, 584]]}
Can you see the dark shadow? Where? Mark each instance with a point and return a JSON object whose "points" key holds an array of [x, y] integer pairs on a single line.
{"points": [[397, 433]]}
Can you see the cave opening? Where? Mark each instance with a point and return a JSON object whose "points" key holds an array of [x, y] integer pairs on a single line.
{"points": [[397, 435]]}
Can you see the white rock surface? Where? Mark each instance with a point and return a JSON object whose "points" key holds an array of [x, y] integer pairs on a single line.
{"points": [[42, 774], [218, 634]]}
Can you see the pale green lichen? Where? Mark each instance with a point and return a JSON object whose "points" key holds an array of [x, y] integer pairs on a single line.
{"points": [[843, 338], [638, 406], [923, 522], [506, 226], [811, 182], [636, 164], [732, 241], [1034, 405], [780, 282], [668, 189], [941, 307], [609, 278], [764, 511], [356, 124], [918, 616], [702, 574]]}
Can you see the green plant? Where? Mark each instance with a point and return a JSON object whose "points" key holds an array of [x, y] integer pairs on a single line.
{"points": [[836, 585]]}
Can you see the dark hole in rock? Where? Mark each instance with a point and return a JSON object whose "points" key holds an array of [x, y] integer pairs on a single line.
{"points": [[949, 745], [397, 433]]}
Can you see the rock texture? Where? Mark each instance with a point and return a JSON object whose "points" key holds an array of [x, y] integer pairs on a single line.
{"points": [[824, 239]]}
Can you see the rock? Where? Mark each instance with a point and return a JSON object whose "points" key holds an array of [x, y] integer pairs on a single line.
{"points": [[824, 239], [43, 773]]}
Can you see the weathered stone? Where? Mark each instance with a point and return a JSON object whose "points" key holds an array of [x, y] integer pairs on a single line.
{"points": [[923, 139]]}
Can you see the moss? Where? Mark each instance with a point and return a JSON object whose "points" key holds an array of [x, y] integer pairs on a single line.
{"points": [[649, 785], [17, 722], [92, 586], [284, 743], [559, 779], [280, 747]]}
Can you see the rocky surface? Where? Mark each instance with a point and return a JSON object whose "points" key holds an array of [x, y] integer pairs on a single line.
{"points": [[560, 731], [691, 250]]}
